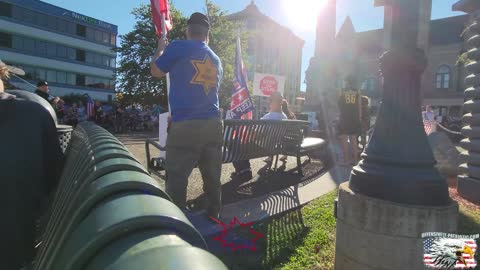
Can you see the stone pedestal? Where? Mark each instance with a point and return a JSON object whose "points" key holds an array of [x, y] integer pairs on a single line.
{"points": [[469, 188], [377, 234]]}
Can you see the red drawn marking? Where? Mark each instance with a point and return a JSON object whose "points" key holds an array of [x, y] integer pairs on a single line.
{"points": [[226, 227]]}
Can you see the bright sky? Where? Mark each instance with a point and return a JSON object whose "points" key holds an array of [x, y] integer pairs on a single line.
{"points": [[299, 15]]}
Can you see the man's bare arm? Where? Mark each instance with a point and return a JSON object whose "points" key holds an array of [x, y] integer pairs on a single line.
{"points": [[154, 70]]}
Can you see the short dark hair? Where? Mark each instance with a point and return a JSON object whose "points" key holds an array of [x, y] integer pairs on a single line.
{"points": [[42, 83], [198, 30]]}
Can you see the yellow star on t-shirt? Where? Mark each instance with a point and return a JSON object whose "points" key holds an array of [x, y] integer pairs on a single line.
{"points": [[206, 74]]}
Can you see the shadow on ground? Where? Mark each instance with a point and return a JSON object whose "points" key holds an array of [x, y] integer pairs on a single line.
{"points": [[266, 182], [130, 138]]}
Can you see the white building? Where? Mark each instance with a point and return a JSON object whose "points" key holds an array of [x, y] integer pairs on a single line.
{"points": [[72, 52]]}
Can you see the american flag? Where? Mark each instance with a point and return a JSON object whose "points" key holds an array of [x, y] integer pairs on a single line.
{"points": [[90, 107], [428, 126], [241, 102], [160, 10], [429, 258]]}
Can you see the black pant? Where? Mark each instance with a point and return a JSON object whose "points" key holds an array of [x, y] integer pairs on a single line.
{"points": [[242, 165]]}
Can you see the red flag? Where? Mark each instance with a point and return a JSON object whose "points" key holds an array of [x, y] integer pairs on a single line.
{"points": [[160, 8]]}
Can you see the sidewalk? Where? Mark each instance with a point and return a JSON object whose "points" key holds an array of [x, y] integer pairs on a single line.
{"points": [[275, 203]]}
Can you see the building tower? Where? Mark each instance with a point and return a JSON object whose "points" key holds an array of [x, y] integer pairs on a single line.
{"points": [[346, 59], [321, 66], [326, 29]]}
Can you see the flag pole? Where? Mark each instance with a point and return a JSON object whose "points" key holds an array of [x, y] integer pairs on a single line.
{"points": [[167, 76], [164, 118]]}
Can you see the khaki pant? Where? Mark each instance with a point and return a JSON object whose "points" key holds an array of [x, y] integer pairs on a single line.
{"points": [[190, 143]]}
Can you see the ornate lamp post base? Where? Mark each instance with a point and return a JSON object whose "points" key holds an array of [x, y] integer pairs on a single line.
{"points": [[398, 164], [405, 185], [395, 193]]}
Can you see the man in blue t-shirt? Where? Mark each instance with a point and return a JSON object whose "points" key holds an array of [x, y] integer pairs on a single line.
{"points": [[195, 136]]}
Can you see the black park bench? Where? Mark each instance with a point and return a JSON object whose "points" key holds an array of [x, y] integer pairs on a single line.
{"points": [[251, 139], [108, 213]]}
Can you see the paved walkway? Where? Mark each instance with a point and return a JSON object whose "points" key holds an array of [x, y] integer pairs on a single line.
{"points": [[272, 204], [264, 196]]}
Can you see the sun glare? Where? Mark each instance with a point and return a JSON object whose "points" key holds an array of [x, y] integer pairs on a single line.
{"points": [[302, 14]]}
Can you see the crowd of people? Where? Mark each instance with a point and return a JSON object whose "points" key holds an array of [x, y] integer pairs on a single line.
{"points": [[116, 118]]}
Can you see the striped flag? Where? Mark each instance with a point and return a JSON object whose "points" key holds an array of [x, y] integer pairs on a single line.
{"points": [[90, 107], [160, 10], [427, 125], [443, 253], [241, 102]]}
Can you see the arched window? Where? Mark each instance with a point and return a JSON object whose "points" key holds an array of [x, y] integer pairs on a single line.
{"points": [[442, 78]]}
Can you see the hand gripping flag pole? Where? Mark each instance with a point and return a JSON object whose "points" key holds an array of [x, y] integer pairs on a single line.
{"points": [[163, 23]]}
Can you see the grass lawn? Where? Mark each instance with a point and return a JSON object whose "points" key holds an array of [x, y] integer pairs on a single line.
{"points": [[305, 239]]}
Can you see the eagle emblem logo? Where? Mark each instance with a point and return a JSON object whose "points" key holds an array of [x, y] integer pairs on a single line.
{"points": [[450, 252]]}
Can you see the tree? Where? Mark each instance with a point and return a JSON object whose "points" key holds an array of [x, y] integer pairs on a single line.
{"points": [[136, 49], [223, 40], [138, 46]]}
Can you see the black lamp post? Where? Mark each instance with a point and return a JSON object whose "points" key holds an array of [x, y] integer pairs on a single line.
{"points": [[398, 164]]}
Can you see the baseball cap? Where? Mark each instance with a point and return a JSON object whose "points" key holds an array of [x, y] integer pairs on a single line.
{"points": [[200, 19], [13, 70], [42, 83]]}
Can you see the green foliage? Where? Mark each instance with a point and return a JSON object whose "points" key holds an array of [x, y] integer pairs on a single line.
{"points": [[317, 249], [463, 60], [137, 47], [223, 40]]}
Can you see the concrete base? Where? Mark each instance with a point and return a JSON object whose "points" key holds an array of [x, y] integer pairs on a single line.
{"points": [[376, 234], [469, 189]]}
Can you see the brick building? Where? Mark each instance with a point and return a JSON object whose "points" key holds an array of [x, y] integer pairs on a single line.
{"points": [[272, 49], [358, 53]]}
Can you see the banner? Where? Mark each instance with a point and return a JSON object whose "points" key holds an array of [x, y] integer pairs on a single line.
{"points": [[265, 84], [241, 102], [162, 131]]}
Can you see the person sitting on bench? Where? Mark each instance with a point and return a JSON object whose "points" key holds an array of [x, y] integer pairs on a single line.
{"points": [[243, 170]]}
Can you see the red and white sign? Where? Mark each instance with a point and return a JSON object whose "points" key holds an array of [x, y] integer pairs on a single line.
{"points": [[266, 84]]}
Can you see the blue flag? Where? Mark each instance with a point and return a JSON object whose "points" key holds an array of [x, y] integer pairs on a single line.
{"points": [[241, 101]]}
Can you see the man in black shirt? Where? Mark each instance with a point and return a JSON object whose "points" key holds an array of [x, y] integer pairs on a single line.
{"points": [[42, 90], [349, 127]]}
